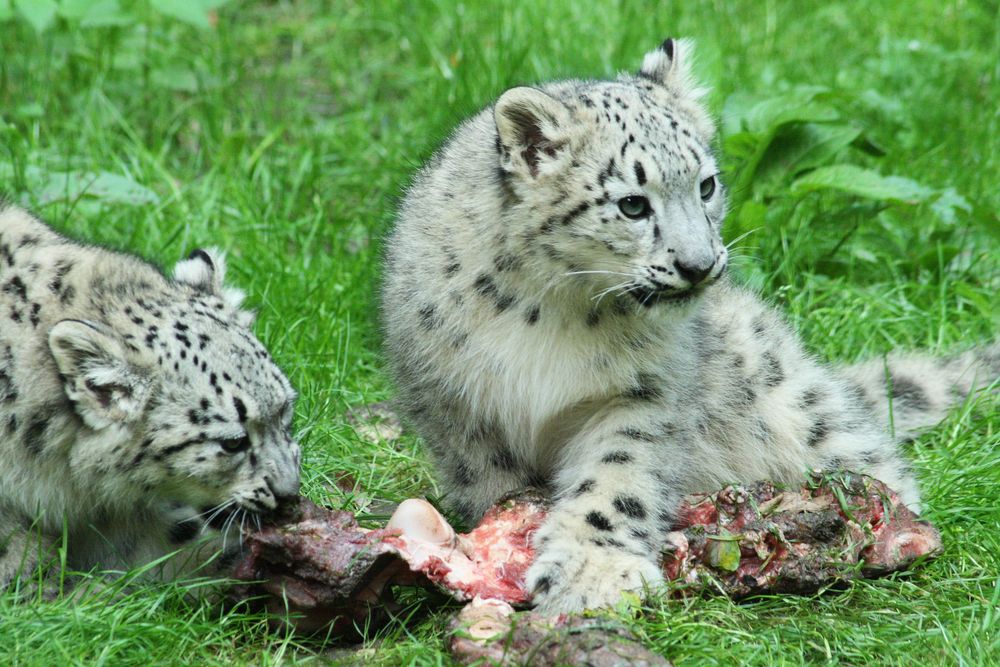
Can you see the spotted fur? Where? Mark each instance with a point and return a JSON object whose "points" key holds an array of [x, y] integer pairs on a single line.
{"points": [[556, 313], [134, 408]]}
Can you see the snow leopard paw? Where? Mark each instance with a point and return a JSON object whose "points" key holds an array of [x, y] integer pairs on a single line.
{"points": [[569, 575]]}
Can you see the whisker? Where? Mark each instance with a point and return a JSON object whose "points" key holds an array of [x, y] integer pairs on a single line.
{"points": [[227, 526], [214, 513], [596, 272], [242, 531], [558, 280], [741, 237], [600, 296]]}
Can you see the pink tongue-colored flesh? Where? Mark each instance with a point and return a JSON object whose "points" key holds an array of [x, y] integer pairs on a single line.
{"points": [[489, 562], [743, 539]]}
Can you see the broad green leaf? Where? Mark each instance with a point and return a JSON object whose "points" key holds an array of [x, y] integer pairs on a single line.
{"points": [[724, 553], [750, 125], [740, 146], [800, 147], [860, 182], [744, 112], [39, 13], [191, 12], [6, 11], [103, 185]]}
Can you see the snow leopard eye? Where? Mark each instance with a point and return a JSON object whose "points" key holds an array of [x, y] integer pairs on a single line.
{"points": [[634, 206], [235, 445], [707, 188]]}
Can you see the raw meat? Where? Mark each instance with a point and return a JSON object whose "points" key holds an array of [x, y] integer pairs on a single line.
{"points": [[741, 540], [758, 538], [489, 632]]}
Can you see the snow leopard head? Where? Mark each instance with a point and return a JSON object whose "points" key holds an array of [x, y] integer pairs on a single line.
{"points": [[616, 180], [177, 395]]}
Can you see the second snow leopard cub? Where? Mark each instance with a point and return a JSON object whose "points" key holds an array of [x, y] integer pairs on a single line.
{"points": [[557, 314], [139, 415]]}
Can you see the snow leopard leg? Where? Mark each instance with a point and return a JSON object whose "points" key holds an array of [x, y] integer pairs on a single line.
{"points": [[911, 392], [617, 493], [476, 464], [28, 558]]}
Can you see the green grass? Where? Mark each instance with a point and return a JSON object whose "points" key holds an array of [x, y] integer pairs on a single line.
{"points": [[285, 133]]}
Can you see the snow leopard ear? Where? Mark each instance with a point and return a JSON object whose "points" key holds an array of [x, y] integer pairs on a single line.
{"points": [[670, 66], [532, 127], [104, 387], [205, 270]]}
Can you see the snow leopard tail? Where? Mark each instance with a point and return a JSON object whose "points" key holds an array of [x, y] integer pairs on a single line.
{"points": [[911, 392]]}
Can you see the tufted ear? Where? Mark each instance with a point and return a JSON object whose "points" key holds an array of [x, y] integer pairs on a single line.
{"points": [[97, 377], [205, 270], [532, 127], [670, 66]]}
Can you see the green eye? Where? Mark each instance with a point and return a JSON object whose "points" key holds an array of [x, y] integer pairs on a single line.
{"points": [[235, 445], [634, 206], [707, 188]]}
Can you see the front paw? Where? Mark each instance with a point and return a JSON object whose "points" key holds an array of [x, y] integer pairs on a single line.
{"points": [[570, 575]]}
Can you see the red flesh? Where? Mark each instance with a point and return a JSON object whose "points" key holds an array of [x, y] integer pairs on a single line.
{"points": [[744, 540]]}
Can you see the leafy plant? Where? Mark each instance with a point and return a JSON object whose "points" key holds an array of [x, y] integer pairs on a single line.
{"points": [[42, 15], [790, 153]]}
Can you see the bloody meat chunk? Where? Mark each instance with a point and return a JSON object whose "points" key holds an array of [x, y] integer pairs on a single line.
{"points": [[741, 540], [489, 632], [320, 570], [762, 539]]}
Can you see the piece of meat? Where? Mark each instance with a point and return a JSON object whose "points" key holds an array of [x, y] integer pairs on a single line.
{"points": [[489, 562], [490, 632], [741, 540], [319, 570], [746, 540]]}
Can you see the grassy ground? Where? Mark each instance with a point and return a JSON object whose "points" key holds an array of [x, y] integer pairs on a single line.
{"points": [[284, 132]]}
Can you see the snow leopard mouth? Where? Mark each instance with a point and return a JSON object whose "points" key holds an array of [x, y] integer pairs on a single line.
{"points": [[649, 297], [231, 514]]}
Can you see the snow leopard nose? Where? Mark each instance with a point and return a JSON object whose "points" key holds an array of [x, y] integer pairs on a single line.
{"points": [[285, 492], [694, 271], [284, 503]]}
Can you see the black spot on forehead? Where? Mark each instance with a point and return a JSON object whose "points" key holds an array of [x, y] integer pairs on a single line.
{"points": [[241, 409], [640, 173]]}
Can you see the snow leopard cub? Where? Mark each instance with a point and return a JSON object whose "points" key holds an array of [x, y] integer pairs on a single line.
{"points": [[138, 414], [557, 314]]}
